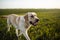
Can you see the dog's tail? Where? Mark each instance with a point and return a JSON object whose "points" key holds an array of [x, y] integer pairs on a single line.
{"points": [[4, 16]]}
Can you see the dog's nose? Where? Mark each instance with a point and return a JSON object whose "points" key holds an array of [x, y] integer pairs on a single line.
{"points": [[37, 20]]}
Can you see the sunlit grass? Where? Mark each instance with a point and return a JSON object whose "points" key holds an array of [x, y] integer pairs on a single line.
{"points": [[48, 27]]}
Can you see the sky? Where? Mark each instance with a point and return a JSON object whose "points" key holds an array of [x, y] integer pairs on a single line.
{"points": [[4, 4]]}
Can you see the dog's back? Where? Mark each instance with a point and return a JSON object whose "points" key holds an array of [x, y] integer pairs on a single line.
{"points": [[12, 19], [16, 20]]}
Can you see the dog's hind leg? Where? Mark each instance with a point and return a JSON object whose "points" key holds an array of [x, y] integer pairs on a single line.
{"points": [[17, 32], [8, 24]]}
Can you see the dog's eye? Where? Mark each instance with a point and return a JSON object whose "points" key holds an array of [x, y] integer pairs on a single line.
{"points": [[32, 16]]}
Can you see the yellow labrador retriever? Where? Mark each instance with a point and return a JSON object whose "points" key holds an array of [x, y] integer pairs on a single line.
{"points": [[23, 23]]}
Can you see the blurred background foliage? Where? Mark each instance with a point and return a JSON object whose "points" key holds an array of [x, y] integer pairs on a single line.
{"points": [[48, 27]]}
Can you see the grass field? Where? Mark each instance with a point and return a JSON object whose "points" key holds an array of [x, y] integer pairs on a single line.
{"points": [[48, 27]]}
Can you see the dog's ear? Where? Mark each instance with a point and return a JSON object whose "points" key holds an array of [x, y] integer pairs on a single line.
{"points": [[26, 17], [26, 20]]}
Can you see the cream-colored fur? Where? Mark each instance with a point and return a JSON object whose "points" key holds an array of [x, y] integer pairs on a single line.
{"points": [[21, 23]]}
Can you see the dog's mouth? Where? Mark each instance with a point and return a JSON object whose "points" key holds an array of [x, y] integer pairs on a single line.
{"points": [[34, 24]]}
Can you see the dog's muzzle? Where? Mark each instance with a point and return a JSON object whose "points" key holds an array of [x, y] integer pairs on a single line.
{"points": [[34, 23], [37, 20]]}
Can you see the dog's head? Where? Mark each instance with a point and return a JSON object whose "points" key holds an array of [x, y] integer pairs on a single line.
{"points": [[32, 18]]}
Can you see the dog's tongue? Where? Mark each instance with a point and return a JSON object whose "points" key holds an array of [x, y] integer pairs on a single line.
{"points": [[35, 24]]}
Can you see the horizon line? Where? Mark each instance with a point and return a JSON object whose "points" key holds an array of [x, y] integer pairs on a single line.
{"points": [[29, 8]]}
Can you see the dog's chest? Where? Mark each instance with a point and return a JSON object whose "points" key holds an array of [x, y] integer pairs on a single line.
{"points": [[23, 23]]}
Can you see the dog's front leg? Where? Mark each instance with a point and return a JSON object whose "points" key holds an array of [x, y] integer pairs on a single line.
{"points": [[26, 35], [20, 33]]}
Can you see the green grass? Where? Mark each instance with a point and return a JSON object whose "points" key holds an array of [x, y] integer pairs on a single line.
{"points": [[48, 27]]}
